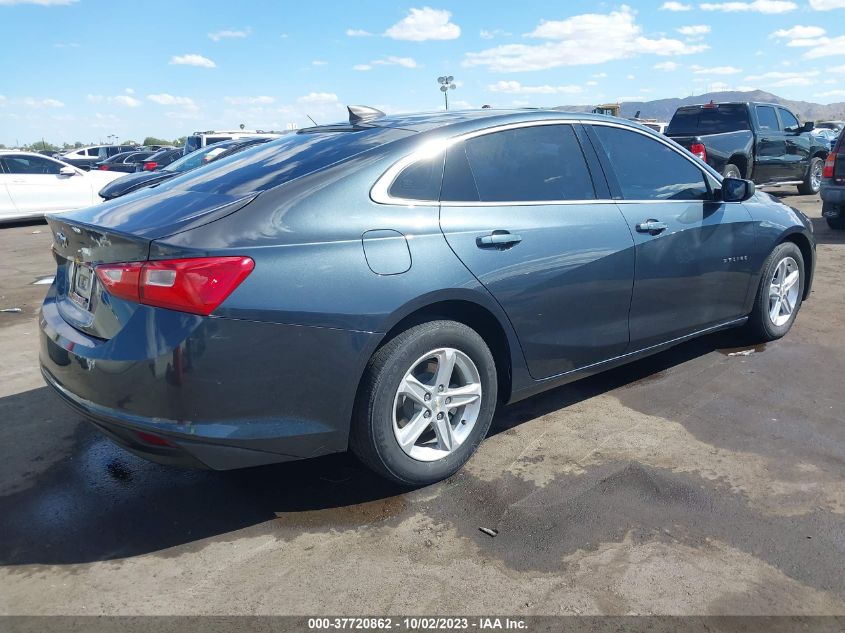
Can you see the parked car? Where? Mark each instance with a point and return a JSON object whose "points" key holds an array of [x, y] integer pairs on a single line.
{"points": [[84, 157], [833, 185], [139, 180], [126, 162], [763, 142], [836, 126], [159, 159], [198, 140], [382, 285], [826, 135], [32, 185]]}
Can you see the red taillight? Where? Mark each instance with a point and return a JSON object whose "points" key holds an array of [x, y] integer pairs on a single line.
{"points": [[197, 285], [103, 168], [699, 150], [149, 438], [829, 166], [150, 165]]}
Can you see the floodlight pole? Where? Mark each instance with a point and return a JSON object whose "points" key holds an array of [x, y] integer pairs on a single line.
{"points": [[446, 84]]}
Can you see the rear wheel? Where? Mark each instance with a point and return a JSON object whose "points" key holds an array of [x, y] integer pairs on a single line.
{"points": [[813, 182], [780, 293], [426, 403], [732, 171], [837, 224]]}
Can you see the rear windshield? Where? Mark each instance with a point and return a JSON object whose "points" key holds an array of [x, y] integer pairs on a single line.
{"points": [[271, 164], [709, 120]]}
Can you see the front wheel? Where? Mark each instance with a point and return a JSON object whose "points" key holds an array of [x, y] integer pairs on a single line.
{"points": [[813, 182], [780, 293], [426, 402]]}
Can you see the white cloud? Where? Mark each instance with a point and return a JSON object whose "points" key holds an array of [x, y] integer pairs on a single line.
{"points": [[319, 62], [425, 24], [798, 32], [836, 69], [757, 6], [261, 100], [675, 6], [667, 66], [717, 70], [832, 93], [718, 86], [514, 87], [392, 60], [827, 47], [126, 100], [694, 30], [362, 67], [129, 91], [357, 33], [42, 103], [490, 35], [617, 31], [192, 59], [168, 99], [827, 5], [229, 34], [40, 3], [319, 98], [781, 79]]}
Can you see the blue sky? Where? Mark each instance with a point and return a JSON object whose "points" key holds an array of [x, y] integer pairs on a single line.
{"points": [[85, 69]]}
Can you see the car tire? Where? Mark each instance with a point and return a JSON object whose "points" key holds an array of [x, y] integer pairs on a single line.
{"points": [[813, 181], [770, 320], [384, 409], [732, 171], [837, 224]]}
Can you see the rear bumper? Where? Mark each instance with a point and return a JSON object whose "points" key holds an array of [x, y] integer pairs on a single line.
{"points": [[222, 393], [833, 197]]}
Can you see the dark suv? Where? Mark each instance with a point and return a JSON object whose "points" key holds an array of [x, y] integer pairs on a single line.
{"points": [[833, 185]]}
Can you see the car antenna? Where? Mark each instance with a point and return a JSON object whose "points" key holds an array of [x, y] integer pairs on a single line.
{"points": [[362, 114], [312, 120]]}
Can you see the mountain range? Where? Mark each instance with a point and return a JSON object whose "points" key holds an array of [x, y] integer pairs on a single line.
{"points": [[663, 109]]}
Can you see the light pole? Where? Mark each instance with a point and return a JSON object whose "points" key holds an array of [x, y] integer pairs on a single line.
{"points": [[446, 84]]}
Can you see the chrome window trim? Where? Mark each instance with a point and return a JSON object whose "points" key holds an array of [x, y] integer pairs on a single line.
{"points": [[379, 193]]}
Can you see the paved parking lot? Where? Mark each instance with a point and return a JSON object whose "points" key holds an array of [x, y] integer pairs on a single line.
{"points": [[708, 479]]}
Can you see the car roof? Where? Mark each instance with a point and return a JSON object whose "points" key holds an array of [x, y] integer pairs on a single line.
{"points": [[20, 152]]}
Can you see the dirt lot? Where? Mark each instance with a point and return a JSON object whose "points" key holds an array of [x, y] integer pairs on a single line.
{"points": [[699, 481]]}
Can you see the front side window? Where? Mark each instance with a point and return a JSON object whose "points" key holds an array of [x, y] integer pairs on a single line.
{"points": [[767, 118], [31, 165], [527, 164], [790, 123], [647, 169]]}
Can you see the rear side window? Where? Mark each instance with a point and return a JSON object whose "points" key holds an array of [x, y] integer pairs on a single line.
{"points": [[542, 163], [715, 119], [646, 169], [31, 165], [419, 181], [767, 118]]}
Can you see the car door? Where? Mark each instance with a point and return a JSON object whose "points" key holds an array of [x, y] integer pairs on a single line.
{"points": [[797, 157], [519, 208], [36, 185], [7, 207], [693, 265], [771, 160]]}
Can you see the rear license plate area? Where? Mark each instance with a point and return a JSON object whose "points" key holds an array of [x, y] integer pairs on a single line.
{"points": [[80, 284]]}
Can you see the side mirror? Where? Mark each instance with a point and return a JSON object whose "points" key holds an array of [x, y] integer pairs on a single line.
{"points": [[809, 126], [737, 190], [67, 170]]}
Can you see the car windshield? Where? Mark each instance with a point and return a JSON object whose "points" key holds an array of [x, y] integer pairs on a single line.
{"points": [[709, 120]]}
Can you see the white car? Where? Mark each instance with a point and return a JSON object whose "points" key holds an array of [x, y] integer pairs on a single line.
{"points": [[32, 185]]}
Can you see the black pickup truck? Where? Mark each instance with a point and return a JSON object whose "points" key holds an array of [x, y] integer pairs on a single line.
{"points": [[763, 142]]}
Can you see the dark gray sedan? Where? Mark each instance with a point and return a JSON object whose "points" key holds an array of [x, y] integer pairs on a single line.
{"points": [[383, 284]]}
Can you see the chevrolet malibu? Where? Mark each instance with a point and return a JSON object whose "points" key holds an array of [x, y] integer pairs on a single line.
{"points": [[382, 285]]}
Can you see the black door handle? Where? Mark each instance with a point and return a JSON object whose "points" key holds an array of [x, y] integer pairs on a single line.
{"points": [[652, 227], [498, 239]]}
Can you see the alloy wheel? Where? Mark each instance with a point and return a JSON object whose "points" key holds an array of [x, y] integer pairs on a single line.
{"points": [[783, 291], [437, 404]]}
